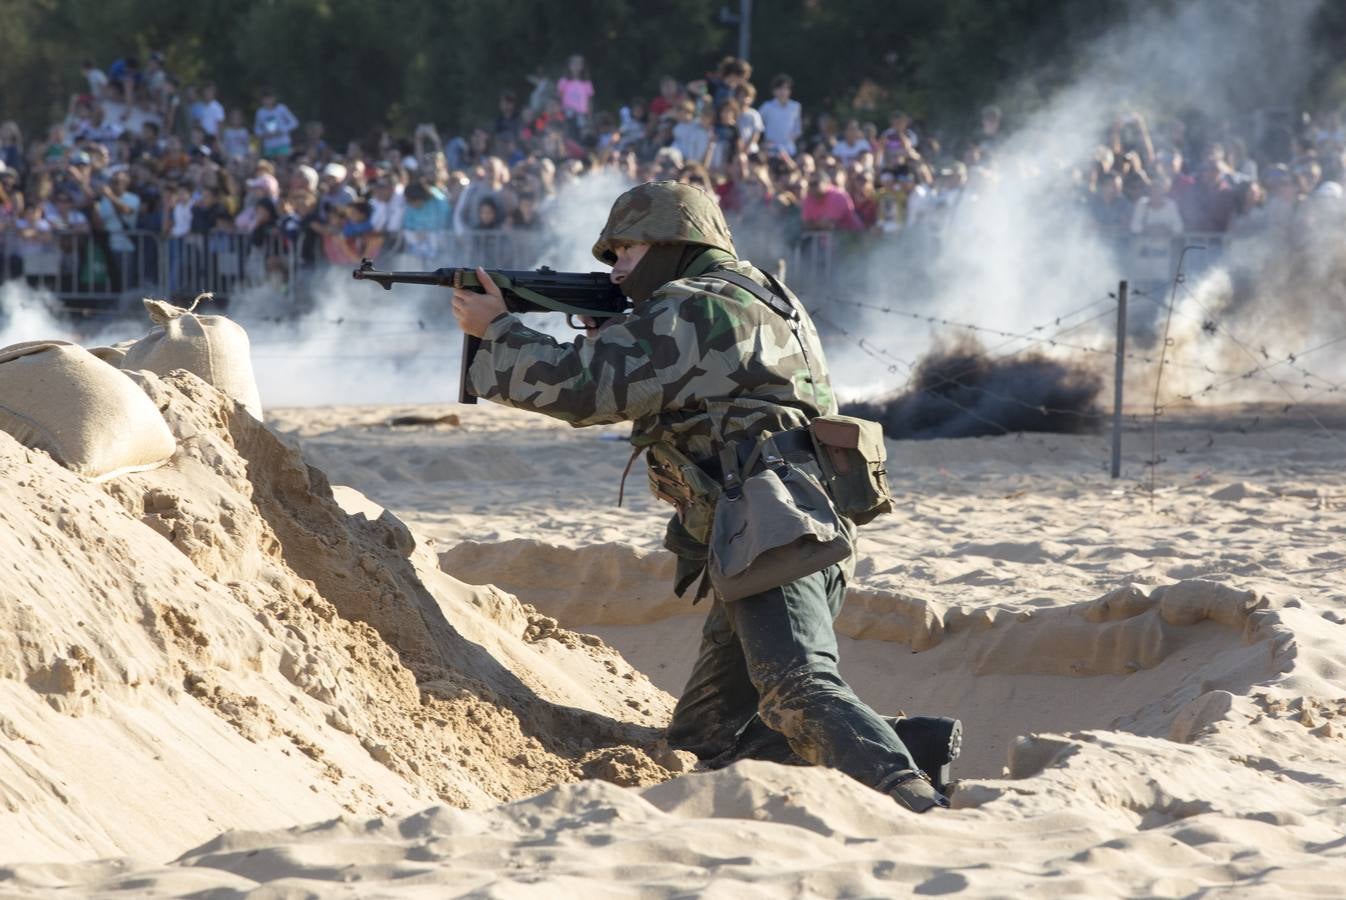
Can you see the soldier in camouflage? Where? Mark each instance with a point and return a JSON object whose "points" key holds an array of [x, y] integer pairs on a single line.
{"points": [[699, 363]]}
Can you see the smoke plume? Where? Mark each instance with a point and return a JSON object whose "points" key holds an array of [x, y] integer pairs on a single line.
{"points": [[961, 391], [1020, 251]]}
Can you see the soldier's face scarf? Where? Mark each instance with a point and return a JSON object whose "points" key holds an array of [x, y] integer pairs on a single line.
{"points": [[661, 264]]}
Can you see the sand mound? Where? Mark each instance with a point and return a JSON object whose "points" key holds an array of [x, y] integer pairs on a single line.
{"points": [[1152, 693], [1108, 814], [217, 643]]}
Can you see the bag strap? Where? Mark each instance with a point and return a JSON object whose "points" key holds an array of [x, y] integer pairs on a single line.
{"points": [[781, 303], [764, 449], [506, 284], [778, 297], [729, 471]]}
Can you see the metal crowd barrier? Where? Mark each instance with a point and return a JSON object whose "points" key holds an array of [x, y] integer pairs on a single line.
{"points": [[85, 267], [1155, 260], [810, 263], [115, 270]]}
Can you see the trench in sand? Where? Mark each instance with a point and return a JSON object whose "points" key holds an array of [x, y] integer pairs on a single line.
{"points": [[1123, 662]]}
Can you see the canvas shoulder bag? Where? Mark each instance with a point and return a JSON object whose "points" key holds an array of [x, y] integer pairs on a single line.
{"points": [[773, 524]]}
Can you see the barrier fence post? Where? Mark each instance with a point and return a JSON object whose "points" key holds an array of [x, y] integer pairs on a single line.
{"points": [[1117, 381]]}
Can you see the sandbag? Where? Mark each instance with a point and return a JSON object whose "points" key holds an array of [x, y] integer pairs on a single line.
{"points": [[213, 348], [113, 354], [58, 397]]}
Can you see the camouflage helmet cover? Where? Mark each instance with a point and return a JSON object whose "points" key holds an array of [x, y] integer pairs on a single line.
{"points": [[664, 212]]}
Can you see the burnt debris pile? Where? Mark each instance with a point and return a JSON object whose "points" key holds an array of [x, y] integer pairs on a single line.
{"points": [[960, 391]]}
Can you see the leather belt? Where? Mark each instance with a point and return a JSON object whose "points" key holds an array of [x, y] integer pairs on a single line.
{"points": [[792, 442]]}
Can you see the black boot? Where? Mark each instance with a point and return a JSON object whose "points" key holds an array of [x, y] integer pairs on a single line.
{"points": [[934, 742], [914, 791]]}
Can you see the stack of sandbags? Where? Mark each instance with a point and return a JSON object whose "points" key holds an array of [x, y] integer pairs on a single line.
{"points": [[60, 398], [212, 348], [113, 354]]}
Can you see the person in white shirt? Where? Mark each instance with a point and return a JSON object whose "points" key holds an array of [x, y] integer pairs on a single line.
{"points": [[691, 136], [65, 219], [273, 124], [782, 118], [96, 77], [921, 199], [34, 236], [1155, 222], [209, 114], [750, 125], [1157, 215], [101, 128], [178, 224], [235, 141], [389, 206], [179, 220], [853, 145]]}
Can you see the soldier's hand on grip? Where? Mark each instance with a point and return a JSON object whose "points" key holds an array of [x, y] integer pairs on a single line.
{"points": [[476, 310]]}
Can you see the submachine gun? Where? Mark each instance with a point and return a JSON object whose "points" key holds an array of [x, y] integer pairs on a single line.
{"points": [[589, 294]]}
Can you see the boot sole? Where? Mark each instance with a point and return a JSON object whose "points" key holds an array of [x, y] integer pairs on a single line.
{"points": [[934, 742]]}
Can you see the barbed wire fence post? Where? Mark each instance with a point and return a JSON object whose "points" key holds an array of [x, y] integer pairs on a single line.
{"points": [[1118, 379]]}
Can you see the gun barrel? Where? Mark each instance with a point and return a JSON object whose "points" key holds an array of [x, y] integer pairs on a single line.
{"points": [[386, 280], [589, 294]]}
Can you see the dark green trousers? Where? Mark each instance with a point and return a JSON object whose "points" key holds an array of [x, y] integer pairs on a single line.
{"points": [[766, 686]]}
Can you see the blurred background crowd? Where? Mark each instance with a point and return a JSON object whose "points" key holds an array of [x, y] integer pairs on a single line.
{"points": [[148, 176]]}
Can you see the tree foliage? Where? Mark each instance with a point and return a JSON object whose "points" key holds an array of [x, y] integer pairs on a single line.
{"points": [[357, 65]]}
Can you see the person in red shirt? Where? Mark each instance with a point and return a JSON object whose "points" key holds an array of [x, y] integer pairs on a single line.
{"points": [[860, 186], [670, 95], [828, 207]]}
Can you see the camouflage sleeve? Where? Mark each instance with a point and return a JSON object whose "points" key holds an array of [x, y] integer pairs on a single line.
{"points": [[624, 373]]}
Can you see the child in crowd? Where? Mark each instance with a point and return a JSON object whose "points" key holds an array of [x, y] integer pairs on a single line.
{"points": [[852, 144], [357, 238], [576, 91], [273, 124], [898, 143], [691, 136], [725, 144], [782, 117], [670, 95], [892, 203], [633, 126], [488, 214], [235, 139], [749, 120], [524, 217]]}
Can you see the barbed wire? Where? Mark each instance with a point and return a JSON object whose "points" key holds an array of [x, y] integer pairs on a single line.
{"points": [[1048, 334], [1033, 335], [1212, 324], [1034, 338], [894, 364]]}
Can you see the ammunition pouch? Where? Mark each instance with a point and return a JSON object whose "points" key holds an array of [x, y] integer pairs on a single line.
{"points": [[852, 456], [676, 480]]}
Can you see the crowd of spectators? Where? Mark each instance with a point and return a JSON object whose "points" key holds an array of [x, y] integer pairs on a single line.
{"points": [[139, 153]]}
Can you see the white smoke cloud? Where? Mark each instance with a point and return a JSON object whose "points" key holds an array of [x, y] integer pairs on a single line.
{"points": [[35, 314], [354, 343], [1023, 252]]}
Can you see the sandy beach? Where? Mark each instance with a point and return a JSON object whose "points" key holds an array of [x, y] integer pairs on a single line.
{"points": [[296, 655]]}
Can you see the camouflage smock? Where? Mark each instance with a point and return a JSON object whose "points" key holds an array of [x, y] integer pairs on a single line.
{"points": [[699, 364]]}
